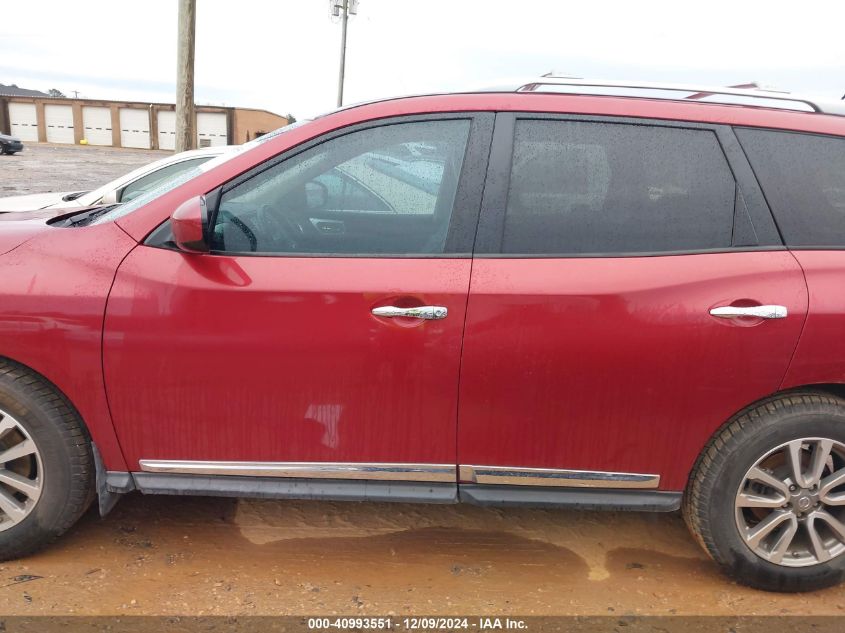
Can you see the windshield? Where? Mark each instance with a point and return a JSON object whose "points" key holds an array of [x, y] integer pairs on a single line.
{"points": [[172, 183], [145, 175]]}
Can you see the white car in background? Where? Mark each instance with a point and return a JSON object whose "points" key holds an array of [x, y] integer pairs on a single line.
{"points": [[122, 189]]}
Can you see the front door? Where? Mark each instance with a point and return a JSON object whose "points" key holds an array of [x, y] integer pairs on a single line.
{"points": [[322, 334], [605, 338]]}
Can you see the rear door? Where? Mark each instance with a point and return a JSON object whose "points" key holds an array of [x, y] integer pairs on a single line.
{"points": [[295, 348], [605, 340]]}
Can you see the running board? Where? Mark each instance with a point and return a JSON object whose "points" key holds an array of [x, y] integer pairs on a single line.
{"points": [[406, 492], [575, 498], [415, 483], [288, 488]]}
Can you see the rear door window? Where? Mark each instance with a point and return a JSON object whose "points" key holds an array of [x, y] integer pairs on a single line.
{"points": [[803, 177], [594, 188]]}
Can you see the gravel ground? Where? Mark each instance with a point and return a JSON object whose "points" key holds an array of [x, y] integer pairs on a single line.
{"points": [[200, 556], [42, 168]]}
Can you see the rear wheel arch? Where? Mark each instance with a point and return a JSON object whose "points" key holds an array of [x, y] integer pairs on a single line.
{"points": [[834, 390], [801, 414]]}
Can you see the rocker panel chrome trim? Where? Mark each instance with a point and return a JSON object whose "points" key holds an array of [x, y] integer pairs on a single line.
{"points": [[443, 473], [506, 475]]}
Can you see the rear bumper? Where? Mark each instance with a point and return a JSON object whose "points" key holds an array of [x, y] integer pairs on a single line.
{"points": [[11, 146]]}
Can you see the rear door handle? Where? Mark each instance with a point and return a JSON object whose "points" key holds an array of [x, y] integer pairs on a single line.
{"points": [[429, 313], [760, 312]]}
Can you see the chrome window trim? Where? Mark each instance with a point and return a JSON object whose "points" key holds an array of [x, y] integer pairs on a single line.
{"points": [[507, 475]]}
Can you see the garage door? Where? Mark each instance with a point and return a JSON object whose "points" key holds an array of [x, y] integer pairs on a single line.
{"points": [[211, 129], [97, 124], [135, 128], [59, 122], [166, 129], [24, 121]]}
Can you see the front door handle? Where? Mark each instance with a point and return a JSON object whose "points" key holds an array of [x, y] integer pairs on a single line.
{"points": [[760, 312], [429, 313]]}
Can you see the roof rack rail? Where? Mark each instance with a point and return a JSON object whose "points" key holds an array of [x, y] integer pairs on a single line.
{"points": [[745, 94]]}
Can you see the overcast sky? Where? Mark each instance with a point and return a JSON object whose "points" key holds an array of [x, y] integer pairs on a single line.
{"points": [[282, 55]]}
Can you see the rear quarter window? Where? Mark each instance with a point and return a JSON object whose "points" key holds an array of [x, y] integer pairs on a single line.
{"points": [[803, 177]]}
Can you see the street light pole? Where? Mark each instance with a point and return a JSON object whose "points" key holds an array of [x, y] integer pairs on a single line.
{"points": [[342, 9], [344, 19]]}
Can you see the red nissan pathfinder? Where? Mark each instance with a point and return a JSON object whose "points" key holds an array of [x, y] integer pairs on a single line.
{"points": [[563, 293]]}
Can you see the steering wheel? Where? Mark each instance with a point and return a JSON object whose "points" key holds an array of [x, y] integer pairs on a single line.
{"points": [[236, 221], [284, 230]]}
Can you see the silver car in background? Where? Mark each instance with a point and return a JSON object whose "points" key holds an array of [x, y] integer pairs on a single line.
{"points": [[123, 189]]}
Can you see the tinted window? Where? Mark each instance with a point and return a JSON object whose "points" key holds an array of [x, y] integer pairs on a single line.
{"points": [[384, 190], [803, 177], [159, 177], [613, 188]]}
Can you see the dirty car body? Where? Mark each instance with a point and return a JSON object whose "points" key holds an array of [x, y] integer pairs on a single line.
{"points": [[488, 298]]}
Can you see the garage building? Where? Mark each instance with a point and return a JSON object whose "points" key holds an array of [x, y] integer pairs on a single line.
{"points": [[36, 117]]}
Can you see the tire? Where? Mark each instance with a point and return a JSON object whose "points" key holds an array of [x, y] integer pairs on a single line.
{"points": [[62, 465], [761, 436]]}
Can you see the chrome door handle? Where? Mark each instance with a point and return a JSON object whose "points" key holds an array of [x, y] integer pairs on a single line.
{"points": [[422, 312], [761, 312]]}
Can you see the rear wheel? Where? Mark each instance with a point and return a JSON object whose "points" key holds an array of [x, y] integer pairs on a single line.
{"points": [[46, 465], [767, 496]]}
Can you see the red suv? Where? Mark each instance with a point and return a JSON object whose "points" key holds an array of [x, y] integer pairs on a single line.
{"points": [[627, 300]]}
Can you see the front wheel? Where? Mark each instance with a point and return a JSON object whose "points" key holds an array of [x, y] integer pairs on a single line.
{"points": [[767, 496], [46, 463]]}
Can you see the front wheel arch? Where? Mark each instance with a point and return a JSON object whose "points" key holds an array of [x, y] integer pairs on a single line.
{"points": [[50, 480]]}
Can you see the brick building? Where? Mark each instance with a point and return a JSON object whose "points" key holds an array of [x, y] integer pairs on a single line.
{"points": [[35, 116]]}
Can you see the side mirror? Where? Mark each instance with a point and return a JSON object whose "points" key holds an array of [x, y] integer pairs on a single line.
{"points": [[111, 197], [188, 223]]}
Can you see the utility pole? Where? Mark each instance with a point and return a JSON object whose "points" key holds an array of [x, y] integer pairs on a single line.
{"points": [[343, 9], [185, 75]]}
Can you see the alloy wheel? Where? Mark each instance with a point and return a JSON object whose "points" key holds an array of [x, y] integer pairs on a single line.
{"points": [[790, 506], [21, 472]]}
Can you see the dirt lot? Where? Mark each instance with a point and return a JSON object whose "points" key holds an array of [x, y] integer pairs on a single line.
{"points": [[43, 168], [162, 555]]}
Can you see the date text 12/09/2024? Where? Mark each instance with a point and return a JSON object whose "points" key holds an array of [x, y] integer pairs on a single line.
{"points": [[479, 623]]}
